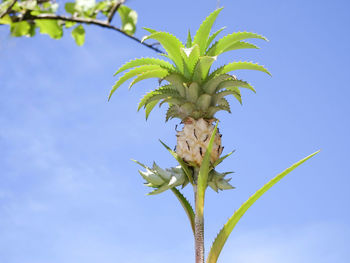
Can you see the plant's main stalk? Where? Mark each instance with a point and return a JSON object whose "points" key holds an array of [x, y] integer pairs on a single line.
{"points": [[198, 233]]}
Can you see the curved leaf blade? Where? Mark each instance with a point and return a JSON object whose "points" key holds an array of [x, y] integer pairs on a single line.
{"points": [[203, 31], [171, 45], [231, 223], [186, 206], [130, 74], [184, 166], [156, 73], [203, 175], [239, 65], [213, 36], [145, 61], [221, 45]]}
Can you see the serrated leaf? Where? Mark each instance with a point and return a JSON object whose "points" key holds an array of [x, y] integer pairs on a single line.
{"points": [[221, 45], [211, 85], [50, 27], [202, 68], [166, 96], [156, 73], [171, 45], [145, 61], [186, 206], [128, 18], [235, 83], [150, 30], [130, 74], [229, 91], [177, 81], [78, 34], [223, 103], [202, 34], [224, 233], [19, 29], [171, 112], [189, 40], [237, 66], [213, 36], [221, 159], [151, 93], [149, 107], [190, 57], [240, 45], [203, 175], [184, 166]]}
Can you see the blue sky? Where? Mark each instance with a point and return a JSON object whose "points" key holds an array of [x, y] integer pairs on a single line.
{"points": [[69, 192]]}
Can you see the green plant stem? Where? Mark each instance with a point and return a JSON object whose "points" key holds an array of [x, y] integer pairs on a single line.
{"points": [[199, 227]]}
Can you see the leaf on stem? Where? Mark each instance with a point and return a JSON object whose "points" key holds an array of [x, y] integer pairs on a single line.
{"points": [[224, 233]]}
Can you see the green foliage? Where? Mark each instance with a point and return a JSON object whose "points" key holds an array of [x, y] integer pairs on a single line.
{"points": [[203, 175], [186, 206], [27, 15], [202, 35], [201, 91], [172, 46], [128, 18], [182, 163], [50, 27], [19, 29], [78, 34], [224, 233]]}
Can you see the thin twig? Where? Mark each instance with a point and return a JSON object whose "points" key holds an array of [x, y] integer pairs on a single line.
{"points": [[8, 9], [114, 10], [92, 22]]}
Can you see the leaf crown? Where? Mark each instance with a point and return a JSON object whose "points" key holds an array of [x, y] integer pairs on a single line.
{"points": [[192, 89]]}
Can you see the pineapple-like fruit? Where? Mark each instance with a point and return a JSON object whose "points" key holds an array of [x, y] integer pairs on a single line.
{"points": [[193, 140], [193, 92]]}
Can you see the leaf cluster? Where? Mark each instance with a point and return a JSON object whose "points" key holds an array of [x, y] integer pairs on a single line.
{"points": [[25, 16], [193, 89]]}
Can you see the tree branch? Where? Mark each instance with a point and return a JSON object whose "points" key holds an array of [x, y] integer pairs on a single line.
{"points": [[114, 9], [8, 9], [91, 21]]}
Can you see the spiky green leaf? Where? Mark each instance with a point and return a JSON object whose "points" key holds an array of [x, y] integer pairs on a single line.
{"points": [[221, 159], [177, 80], [145, 61], [221, 45], [170, 94], [214, 35], [160, 90], [237, 66], [130, 74], [186, 206], [240, 45], [184, 166], [203, 176], [211, 85], [231, 223], [149, 107], [235, 83], [156, 73], [171, 45], [229, 91], [202, 34], [189, 40], [202, 68]]}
